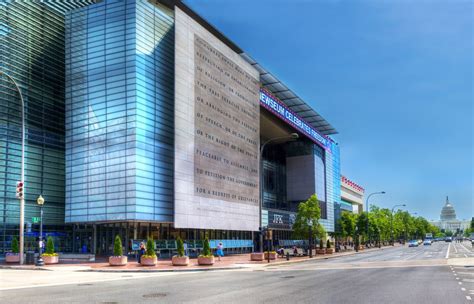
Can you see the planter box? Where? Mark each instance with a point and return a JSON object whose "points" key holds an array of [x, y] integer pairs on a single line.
{"points": [[50, 259], [273, 255], [256, 256], [148, 261], [206, 260], [329, 250], [12, 258], [180, 261], [321, 251], [118, 260]]}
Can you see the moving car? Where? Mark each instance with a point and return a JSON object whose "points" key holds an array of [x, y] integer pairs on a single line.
{"points": [[448, 239], [427, 242], [413, 243]]}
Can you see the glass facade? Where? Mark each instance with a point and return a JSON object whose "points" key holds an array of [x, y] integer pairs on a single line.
{"points": [[32, 52], [119, 112]]}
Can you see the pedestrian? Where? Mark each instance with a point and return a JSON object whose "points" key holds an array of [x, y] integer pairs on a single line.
{"points": [[141, 252], [220, 251], [185, 246]]}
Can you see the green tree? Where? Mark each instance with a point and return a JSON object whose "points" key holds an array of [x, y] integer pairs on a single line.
{"points": [[362, 225], [307, 218], [321, 246], [118, 246], [180, 246], [328, 244], [50, 246], [206, 248], [150, 248], [15, 245], [348, 223]]}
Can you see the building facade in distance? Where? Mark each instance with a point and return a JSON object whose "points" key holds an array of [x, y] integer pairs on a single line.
{"points": [[448, 220]]}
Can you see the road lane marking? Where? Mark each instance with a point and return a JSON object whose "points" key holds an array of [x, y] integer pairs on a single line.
{"points": [[465, 255], [468, 280], [463, 289], [457, 278], [468, 297], [460, 283], [447, 252], [455, 249]]}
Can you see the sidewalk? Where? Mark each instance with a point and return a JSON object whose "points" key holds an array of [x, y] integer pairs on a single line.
{"points": [[237, 261]]}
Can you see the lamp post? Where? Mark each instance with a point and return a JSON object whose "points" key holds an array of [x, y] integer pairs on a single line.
{"points": [[391, 221], [39, 261], [292, 136], [22, 198], [310, 224], [367, 209], [356, 241]]}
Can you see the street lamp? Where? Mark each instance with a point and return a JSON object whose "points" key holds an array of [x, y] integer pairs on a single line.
{"points": [[292, 136], [310, 224], [391, 221], [356, 241], [39, 261], [22, 198], [367, 209]]}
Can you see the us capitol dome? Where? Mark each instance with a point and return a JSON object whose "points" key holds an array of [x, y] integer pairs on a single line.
{"points": [[448, 213]]}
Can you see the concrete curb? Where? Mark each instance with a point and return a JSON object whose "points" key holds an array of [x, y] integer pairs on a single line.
{"points": [[161, 270], [24, 267]]}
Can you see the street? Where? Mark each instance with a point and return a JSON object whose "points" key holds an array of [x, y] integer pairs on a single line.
{"points": [[422, 274]]}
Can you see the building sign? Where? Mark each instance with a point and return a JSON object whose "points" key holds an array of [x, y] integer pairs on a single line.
{"points": [[275, 106], [279, 219]]}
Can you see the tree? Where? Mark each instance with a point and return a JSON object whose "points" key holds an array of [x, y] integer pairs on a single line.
{"points": [[180, 246], [206, 248], [362, 224], [118, 246], [15, 245], [50, 246], [150, 248], [308, 213], [348, 224]]}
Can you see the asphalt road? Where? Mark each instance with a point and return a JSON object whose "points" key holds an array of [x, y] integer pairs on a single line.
{"points": [[394, 275]]}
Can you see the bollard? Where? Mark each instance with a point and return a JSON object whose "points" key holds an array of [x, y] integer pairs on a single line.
{"points": [[287, 256]]}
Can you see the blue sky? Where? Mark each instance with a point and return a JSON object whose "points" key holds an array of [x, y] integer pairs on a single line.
{"points": [[394, 77]]}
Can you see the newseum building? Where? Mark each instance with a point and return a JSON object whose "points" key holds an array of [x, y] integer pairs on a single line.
{"points": [[172, 130]]}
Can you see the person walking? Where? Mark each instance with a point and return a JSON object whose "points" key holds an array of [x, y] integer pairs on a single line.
{"points": [[141, 252], [220, 251]]}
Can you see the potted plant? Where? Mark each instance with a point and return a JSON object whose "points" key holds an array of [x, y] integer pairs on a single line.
{"points": [[206, 258], [50, 257], [118, 259], [320, 250], [329, 250], [273, 255], [13, 257], [149, 258], [256, 256], [180, 259]]}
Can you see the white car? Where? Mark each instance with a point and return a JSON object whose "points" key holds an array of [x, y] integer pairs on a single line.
{"points": [[427, 242]]}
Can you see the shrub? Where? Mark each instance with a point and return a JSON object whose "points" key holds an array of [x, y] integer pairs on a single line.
{"points": [[206, 249], [118, 246], [50, 248], [180, 246], [321, 244], [15, 245], [150, 249], [328, 244]]}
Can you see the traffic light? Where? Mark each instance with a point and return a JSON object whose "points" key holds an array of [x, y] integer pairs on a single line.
{"points": [[19, 190]]}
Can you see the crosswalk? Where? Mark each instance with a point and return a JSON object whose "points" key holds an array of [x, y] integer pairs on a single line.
{"points": [[461, 250], [464, 275]]}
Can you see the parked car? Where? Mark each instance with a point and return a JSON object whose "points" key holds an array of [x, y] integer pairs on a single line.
{"points": [[448, 239], [427, 242], [413, 243]]}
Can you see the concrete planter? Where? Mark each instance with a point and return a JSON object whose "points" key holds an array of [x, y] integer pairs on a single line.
{"points": [[321, 251], [118, 260], [256, 256], [273, 255], [329, 250], [50, 259], [180, 261], [206, 260], [12, 258], [148, 261]]}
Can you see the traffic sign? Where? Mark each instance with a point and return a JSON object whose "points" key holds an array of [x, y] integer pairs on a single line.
{"points": [[35, 219]]}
